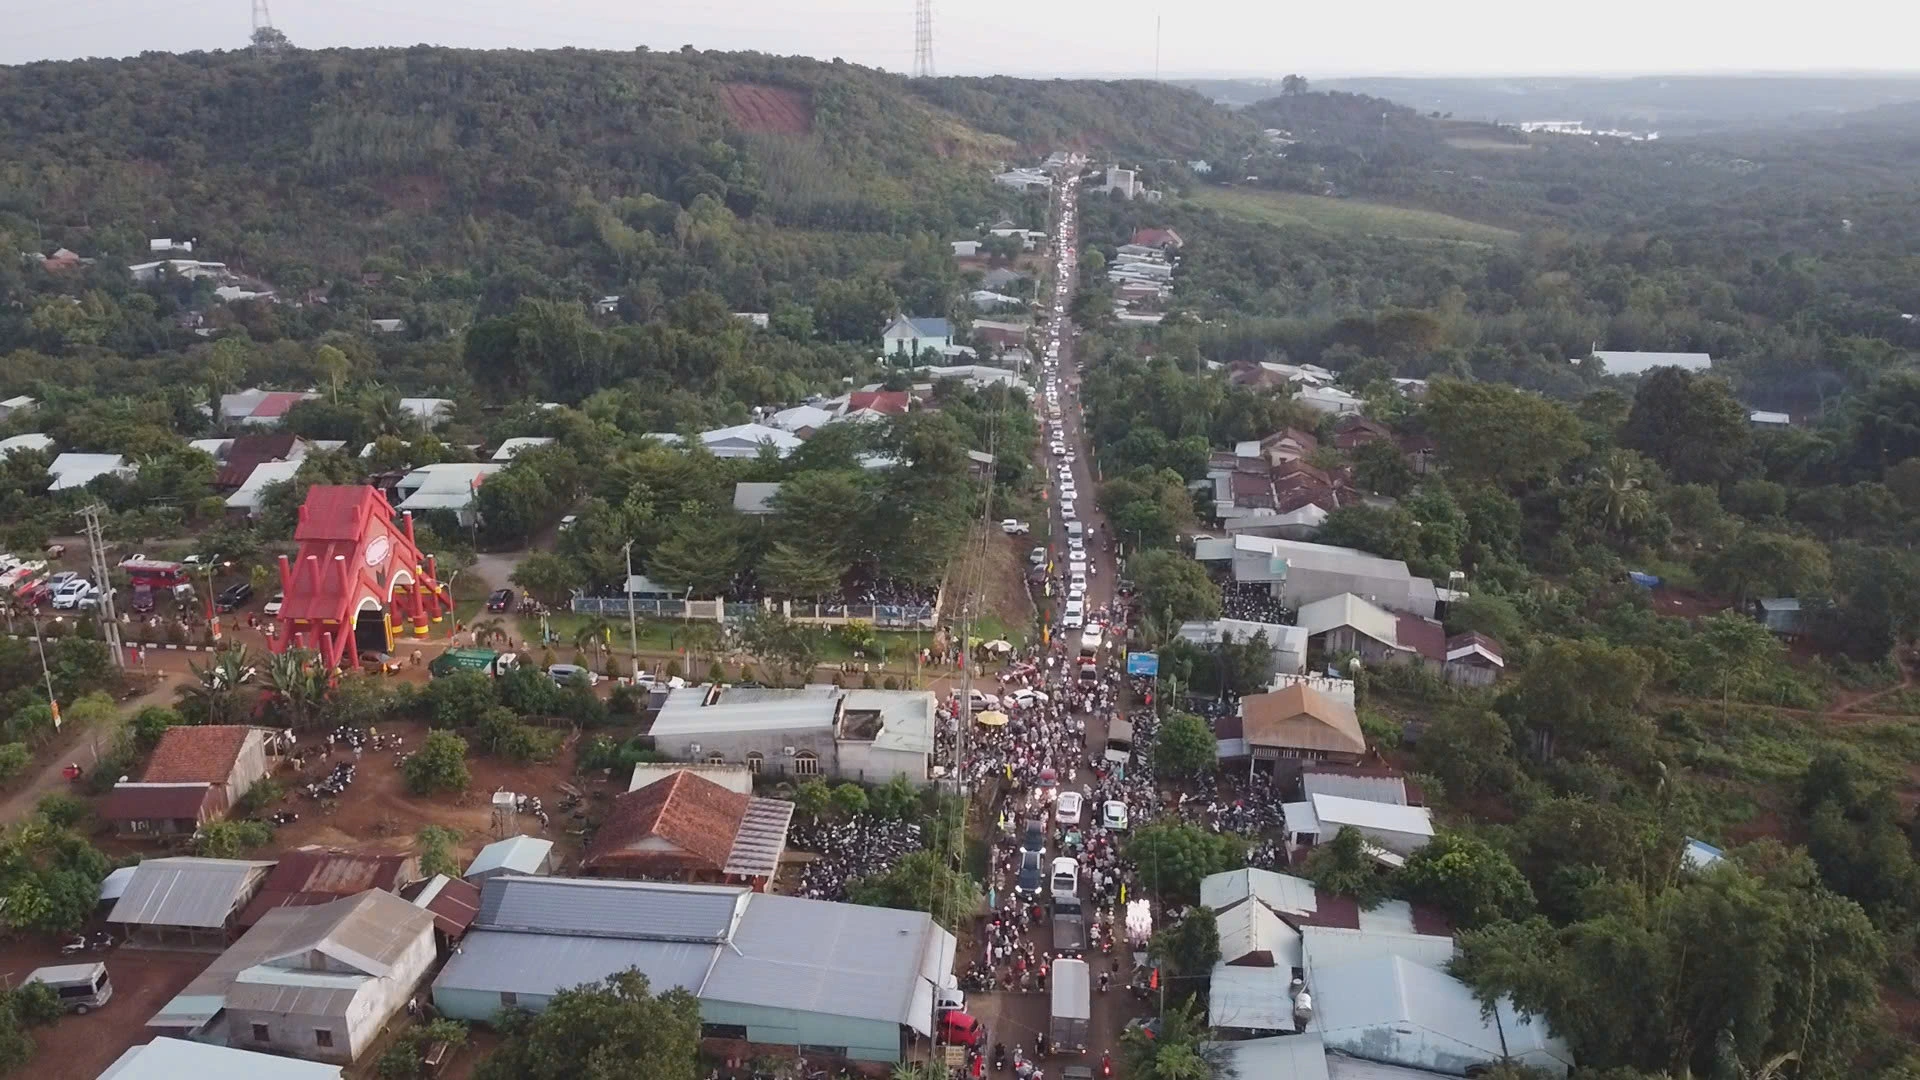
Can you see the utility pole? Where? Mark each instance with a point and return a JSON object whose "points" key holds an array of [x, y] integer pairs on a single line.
{"points": [[97, 555], [633, 625], [53, 703]]}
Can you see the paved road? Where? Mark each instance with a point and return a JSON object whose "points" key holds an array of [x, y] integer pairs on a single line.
{"points": [[1021, 1017]]}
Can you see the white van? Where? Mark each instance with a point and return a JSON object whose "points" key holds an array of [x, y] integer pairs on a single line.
{"points": [[1075, 528], [81, 988]]}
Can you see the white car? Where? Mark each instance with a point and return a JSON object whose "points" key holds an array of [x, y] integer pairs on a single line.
{"points": [[72, 592], [1078, 583], [1013, 527], [1113, 815], [1077, 547], [1066, 809], [1064, 882], [273, 606], [1059, 449], [1038, 556]]}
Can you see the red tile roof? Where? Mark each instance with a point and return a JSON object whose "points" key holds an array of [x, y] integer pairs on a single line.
{"points": [[453, 907], [687, 810], [206, 753], [891, 402], [1156, 238], [276, 404]]}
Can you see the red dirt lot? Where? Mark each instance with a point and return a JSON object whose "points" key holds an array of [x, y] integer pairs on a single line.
{"points": [[81, 1047], [768, 110]]}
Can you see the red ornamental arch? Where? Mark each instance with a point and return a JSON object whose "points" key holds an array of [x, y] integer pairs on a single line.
{"points": [[354, 556]]}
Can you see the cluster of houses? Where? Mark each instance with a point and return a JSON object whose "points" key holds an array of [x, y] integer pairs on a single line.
{"points": [[1141, 274], [1041, 177], [1267, 487], [315, 951]]}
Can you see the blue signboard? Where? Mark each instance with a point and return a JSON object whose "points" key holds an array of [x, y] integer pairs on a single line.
{"points": [[1143, 663]]}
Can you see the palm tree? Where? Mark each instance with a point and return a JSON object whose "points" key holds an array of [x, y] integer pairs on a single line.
{"points": [[593, 635], [298, 685], [699, 637], [487, 630], [214, 692], [1616, 494]]}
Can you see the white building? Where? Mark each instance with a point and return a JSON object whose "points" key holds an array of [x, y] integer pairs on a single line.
{"points": [[1639, 363], [18, 404], [187, 268], [870, 736], [1299, 572], [1289, 643], [430, 411], [31, 441], [79, 470], [910, 335], [1393, 829], [1122, 181], [1328, 399], [171, 1059], [512, 447], [252, 493], [451, 485], [966, 249]]}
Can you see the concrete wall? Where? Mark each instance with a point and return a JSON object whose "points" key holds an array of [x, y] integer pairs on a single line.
{"points": [[1345, 639], [354, 1032], [249, 768], [868, 764], [733, 747]]}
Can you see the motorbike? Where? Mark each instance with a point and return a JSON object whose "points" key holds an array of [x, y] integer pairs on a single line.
{"points": [[999, 1057]]}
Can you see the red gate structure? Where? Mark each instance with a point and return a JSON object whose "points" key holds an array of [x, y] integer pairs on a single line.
{"points": [[354, 559]]}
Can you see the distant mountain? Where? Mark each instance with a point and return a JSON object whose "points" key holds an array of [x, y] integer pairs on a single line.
{"points": [[1670, 105]]}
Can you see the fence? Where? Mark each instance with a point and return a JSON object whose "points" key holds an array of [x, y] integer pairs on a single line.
{"points": [[883, 616]]}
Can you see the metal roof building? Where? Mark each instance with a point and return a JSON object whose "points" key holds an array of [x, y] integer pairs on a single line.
{"points": [[514, 855], [1279, 892], [189, 900], [1395, 1011], [170, 1059], [1619, 362], [1280, 1057], [782, 969]]}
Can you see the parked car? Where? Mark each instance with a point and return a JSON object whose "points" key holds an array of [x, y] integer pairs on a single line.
{"points": [[1014, 528], [1038, 556], [274, 605], [69, 593], [233, 596], [563, 674], [1066, 809], [961, 1029], [500, 600]]}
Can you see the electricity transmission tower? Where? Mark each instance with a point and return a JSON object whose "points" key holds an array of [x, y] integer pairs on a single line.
{"points": [[265, 37], [97, 554], [261, 16], [922, 38]]}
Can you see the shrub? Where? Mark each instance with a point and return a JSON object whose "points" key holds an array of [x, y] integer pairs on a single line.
{"points": [[14, 757], [259, 797], [62, 810], [152, 722], [401, 1061], [35, 1004], [230, 839], [439, 765], [437, 844]]}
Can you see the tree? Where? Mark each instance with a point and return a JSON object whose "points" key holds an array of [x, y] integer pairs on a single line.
{"points": [[1181, 1048], [1343, 866], [849, 800], [1293, 85], [299, 684], [1470, 880], [799, 571], [215, 696], [440, 764], [921, 881], [334, 367], [1185, 746], [1172, 584], [812, 798], [1470, 751], [1689, 422], [1148, 506], [600, 1031], [1578, 696], [1729, 651], [1174, 856], [1380, 467], [1387, 531], [437, 845], [1729, 967], [458, 700], [1760, 563], [230, 839], [1501, 434], [1188, 949], [1886, 421], [547, 578]]}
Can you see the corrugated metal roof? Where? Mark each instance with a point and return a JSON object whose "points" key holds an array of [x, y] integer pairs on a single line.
{"points": [[521, 854], [641, 910], [1333, 946], [906, 717], [262, 988], [1363, 814], [817, 956], [187, 891], [1622, 362], [1342, 1067], [1349, 610], [540, 964], [1250, 998], [1393, 1010], [453, 903], [761, 838], [1280, 892], [735, 709], [1255, 935], [1379, 788], [170, 1059], [1281, 1057]]}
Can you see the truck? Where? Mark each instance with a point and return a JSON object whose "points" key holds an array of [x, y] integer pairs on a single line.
{"points": [[1069, 927], [490, 662], [1072, 1005], [1119, 745]]}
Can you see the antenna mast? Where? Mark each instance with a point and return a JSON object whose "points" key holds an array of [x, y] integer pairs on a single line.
{"points": [[1156, 46], [922, 38]]}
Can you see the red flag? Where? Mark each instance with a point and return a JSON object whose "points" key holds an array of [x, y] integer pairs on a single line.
{"points": [[1153, 979]]}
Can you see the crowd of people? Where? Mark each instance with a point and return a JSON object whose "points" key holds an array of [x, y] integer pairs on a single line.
{"points": [[846, 851], [1253, 602]]}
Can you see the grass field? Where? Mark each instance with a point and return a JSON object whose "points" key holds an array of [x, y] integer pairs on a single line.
{"points": [[1347, 215]]}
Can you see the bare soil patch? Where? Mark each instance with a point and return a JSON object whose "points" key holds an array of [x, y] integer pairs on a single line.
{"points": [[81, 1047], [768, 110]]}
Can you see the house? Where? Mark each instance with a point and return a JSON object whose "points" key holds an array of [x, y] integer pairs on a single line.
{"points": [[1400, 830], [759, 320], [1300, 573], [840, 980], [1639, 363], [740, 440], [911, 335], [447, 485], [688, 828], [1474, 659], [228, 294], [514, 855], [735, 778], [979, 376], [318, 982], [314, 875], [1122, 181], [987, 300], [1024, 180], [78, 470], [452, 902], [163, 245], [195, 775], [1280, 1057], [511, 447], [966, 249], [870, 736], [1348, 624], [1001, 277], [1296, 724], [17, 404], [36, 442], [430, 411], [190, 269], [1780, 614], [1328, 399], [171, 1059], [1161, 239], [1772, 420], [1289, 643], [884, 402], [260, 407], [387, 326], [242, 454], [250, 499], [802, 420], [1380, 784], [1387, 999], [1352, 431], [754, 500], [606, 305], [1005, 335], [186, 902]]}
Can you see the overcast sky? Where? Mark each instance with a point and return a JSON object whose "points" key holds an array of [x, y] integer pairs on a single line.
{"points": [[1239, 37]]}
